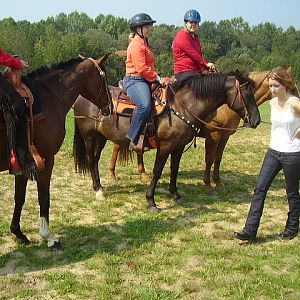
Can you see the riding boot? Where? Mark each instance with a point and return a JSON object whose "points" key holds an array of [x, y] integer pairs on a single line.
{"points": [[16, 121]]}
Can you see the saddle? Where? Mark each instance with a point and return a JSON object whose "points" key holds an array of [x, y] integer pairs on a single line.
{"points": [[14, 77], [124, 106]]}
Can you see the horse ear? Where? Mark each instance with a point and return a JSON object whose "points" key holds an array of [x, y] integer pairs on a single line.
{"points": [[102, 59], [289, 70]]}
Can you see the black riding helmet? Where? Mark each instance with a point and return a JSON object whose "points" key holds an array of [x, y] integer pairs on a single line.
{"points": [[140, 19]]}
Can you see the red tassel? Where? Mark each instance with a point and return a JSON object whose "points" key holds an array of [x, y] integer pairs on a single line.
{"points": [[14, 164]]}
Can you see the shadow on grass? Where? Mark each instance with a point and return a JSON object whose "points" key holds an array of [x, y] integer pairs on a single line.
{"points": [[238, 188], [84, 242]]}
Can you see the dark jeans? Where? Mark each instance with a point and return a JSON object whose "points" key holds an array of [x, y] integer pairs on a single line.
{"points": [[273, 162], [139, 91]]}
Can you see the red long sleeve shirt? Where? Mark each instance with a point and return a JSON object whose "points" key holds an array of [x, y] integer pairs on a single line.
{"points": [[9, 60], [140, 59], [187, 53]]}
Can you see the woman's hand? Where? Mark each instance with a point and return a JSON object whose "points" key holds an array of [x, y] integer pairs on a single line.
{"points": [[24, 63], [211, 67], [296, 134]]}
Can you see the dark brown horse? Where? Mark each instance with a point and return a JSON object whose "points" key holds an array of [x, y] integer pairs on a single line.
{"points": [[215, 137], [58, 87], [192, 100]]}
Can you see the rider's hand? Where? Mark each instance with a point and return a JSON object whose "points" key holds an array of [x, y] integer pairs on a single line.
{"points": [[24, 63], [165, 81], [211, 66]]}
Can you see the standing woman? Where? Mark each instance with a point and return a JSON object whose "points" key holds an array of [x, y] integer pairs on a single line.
{"points": [[140, 73], [283, 154], [187, 50]]}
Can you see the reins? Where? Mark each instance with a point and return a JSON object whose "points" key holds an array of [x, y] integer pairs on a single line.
{"points": [[109, 101], [203, 121]]}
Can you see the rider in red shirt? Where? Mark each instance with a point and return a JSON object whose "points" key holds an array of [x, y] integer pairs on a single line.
{"points": [[11, 102], [11, 61], [187, 50]]}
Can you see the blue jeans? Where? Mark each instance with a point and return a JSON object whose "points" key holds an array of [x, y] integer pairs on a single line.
{"points": [[273, 162], [140, 92]]}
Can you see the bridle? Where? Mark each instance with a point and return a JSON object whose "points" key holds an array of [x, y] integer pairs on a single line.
{"points": [[109, 103], [238, 95]]}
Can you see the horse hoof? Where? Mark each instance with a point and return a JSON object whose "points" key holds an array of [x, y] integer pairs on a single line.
{"points": [[213, 192], [146, 176], [100, 195], [57, 245], [24, 241], [112, 179], [176, 197], [210, 190], [219, 187], [178, 200], [153, 209]]}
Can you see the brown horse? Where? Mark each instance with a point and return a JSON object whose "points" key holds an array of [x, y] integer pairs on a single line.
{"points": [[190, 101], [58, 87], [216, 138]]}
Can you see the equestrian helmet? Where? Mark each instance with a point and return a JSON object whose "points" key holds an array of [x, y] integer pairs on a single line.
{"points": [[140, 19], [192, 16]]}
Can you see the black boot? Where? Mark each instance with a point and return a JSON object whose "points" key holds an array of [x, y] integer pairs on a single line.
{"points": [[244, 236], [14, 105], [287, 235]]}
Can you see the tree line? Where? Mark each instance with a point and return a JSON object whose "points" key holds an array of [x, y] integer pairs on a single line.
{"points": [[230, 44]]}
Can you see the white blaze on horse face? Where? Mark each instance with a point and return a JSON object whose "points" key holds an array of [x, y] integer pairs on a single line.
{"points": [[45, 233]]}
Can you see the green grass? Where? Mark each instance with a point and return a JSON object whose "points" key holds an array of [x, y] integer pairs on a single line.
{"points": [[116, 249]]}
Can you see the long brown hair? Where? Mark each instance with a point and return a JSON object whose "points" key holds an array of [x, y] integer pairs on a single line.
{"points": [[283, 77]]}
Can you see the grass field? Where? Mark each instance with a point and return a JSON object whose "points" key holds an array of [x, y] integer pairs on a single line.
{"points": [[117, 250]]}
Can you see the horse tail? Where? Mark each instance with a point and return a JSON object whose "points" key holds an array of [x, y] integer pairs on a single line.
{"points": [[124, 155], [79, 152]]}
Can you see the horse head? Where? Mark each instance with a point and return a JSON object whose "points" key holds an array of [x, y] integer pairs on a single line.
{"points": [[96, 90], [240, 97]]}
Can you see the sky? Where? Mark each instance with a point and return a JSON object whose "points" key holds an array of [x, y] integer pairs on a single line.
{"points": [[281, 13]]}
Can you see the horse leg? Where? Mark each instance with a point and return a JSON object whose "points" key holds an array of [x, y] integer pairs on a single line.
{"points": [[217, 163], [141, 166], [159, 164], [112, 165], [43, 185], [211, 144], [20, 193], [94, 147], [175, 160]]}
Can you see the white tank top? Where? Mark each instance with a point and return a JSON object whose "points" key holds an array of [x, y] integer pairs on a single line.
{"points": [[284, 125]]}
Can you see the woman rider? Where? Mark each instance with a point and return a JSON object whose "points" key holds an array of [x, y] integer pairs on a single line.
{"points": [[140, 73], [11, 101], [187, 50]]}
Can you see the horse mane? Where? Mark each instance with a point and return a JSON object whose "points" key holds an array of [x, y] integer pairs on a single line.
{"points": [[243, 77], [53, 67], [209, 86]]}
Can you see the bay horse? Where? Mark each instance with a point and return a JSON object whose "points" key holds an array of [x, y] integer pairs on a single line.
{"points": [[192, 100], [217, 130], [58, 86]]}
